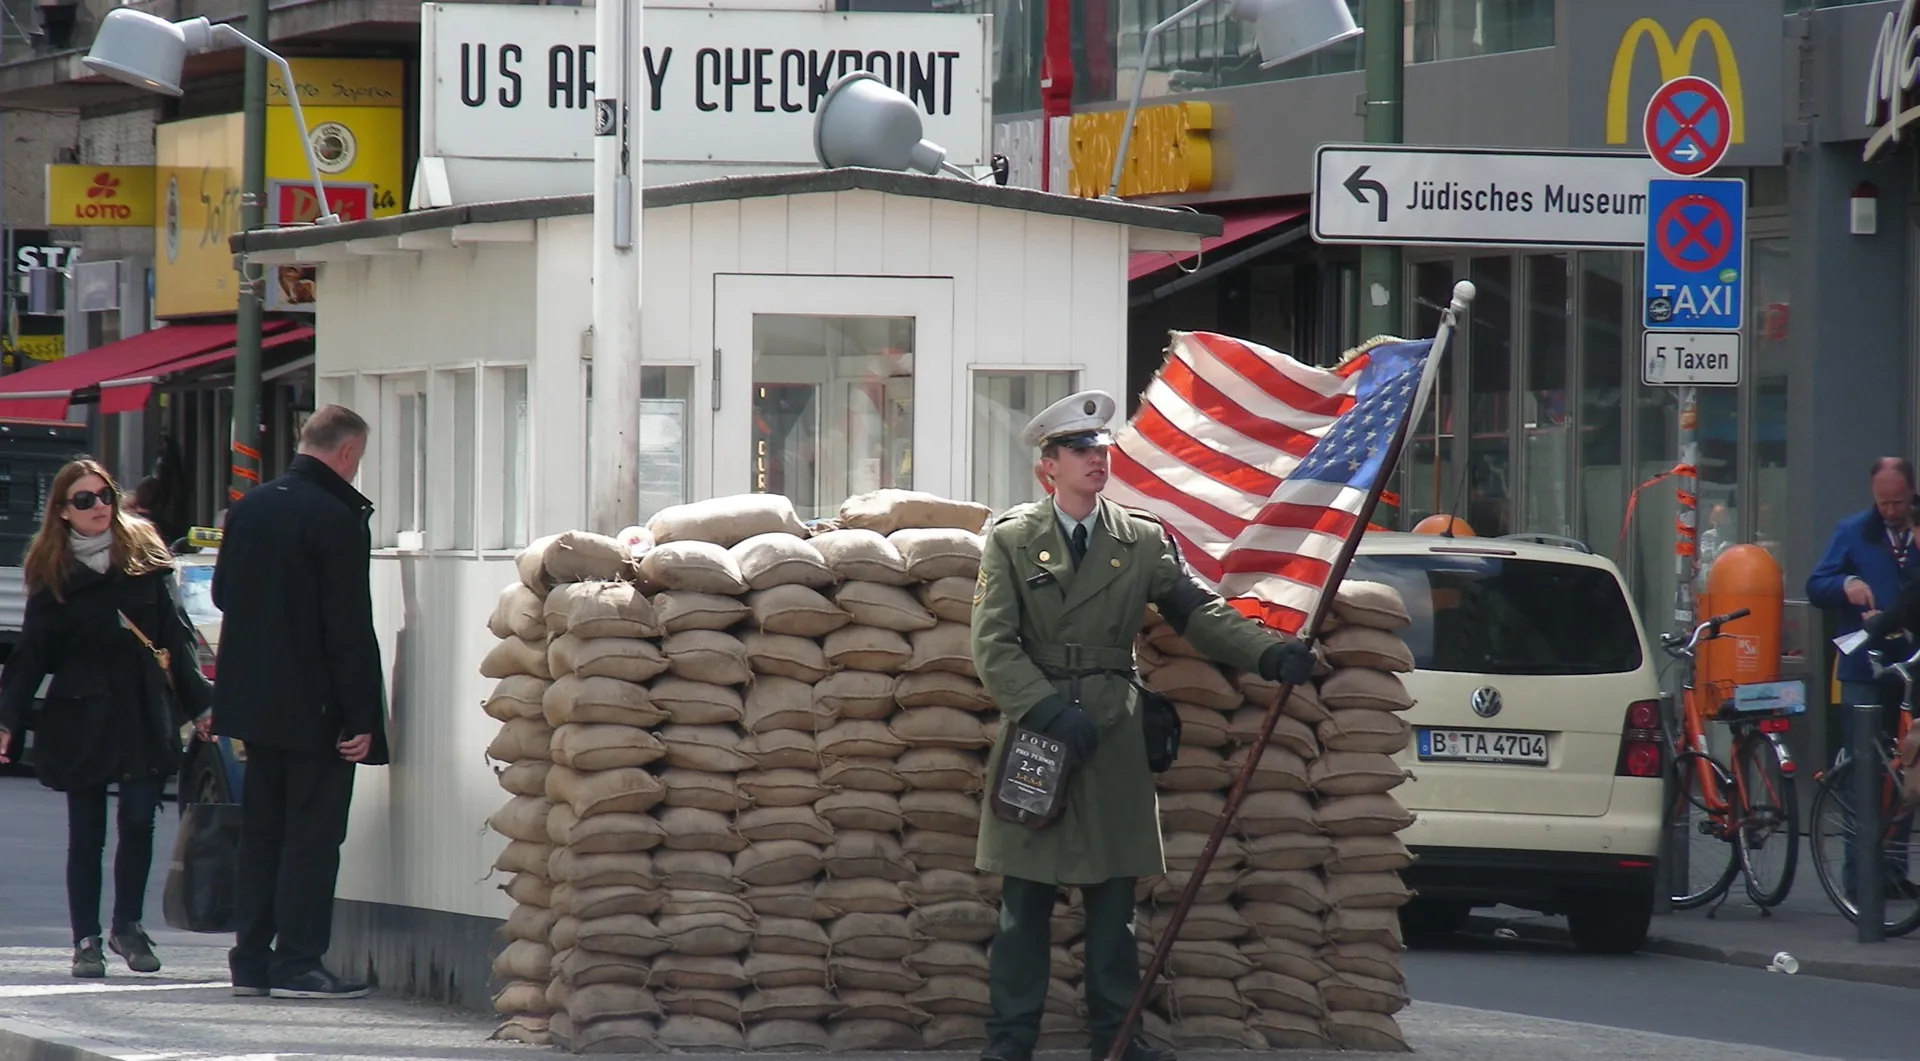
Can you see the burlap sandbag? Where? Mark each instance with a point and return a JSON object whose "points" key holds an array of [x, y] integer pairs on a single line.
{"points": [[689, 903], [868, 648], [1210, 921], [606, 834], [517, 696], [588, 747], [1364, 646], [517, 613], [1364, 925], [522, 997], [694, 703], [784, 788], [524, 856], [529, 889], [870, 811], [1365, 689], [1195, 682], [1204, 996], [1277, 991], [1355, 773], [863, 774], [623, 658], [784, 970], [1266, 813], [602, 609], [528, 923], [942, 812], [526, 1028], [626, 870], [788, 900], [961, 921], [1243, 727], [1373, 604], [949, 598], [582, 556], [701, 1033], [1202, 727], [936, 688], [515, 655], [1369, 854], [950, 958], [1216, 887], [698, 871], [877, 937], [859, 555], [726, 520], [1280, 921], [696, 566], [1366, 959], [523, 960], [1301, 961], [1381, 891], [521, 818], [859, 739], [890, 510], [966, 1034], [1360, 1030], [880, 1005], [520, 740], [798, 658], [530, 565], [850, 1036], [1278, 770], [629, 791], [939, 727], [1366, 731], [789, 1003], [762, 824], [1196, 769], [694, 829], [1212, 958], [946, 648], [611, 900], [796, 610], [710, 656], [678, 610], [713, 749], [948, 770], [776, 703], [936, 553], [857, 853], [1186, 812], [882, 606], [697, 973], [777, 862], [782, 749], [1182, 851], [1302, 889], [1370, 815], [780, 559], [788, 1036], [705, 935], [857, 896], [858, 694], [603, 700], [584, 968], [1280, 852], [1303, 704]]}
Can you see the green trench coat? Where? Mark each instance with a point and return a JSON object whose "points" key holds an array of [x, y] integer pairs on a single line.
{"points": [[1111, 827]]}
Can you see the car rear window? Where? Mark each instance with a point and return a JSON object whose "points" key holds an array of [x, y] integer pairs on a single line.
{"points": [[196, 593], [1500, 615]]}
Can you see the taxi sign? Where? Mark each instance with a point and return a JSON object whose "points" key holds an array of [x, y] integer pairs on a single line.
{"points": [[1696, 253], [203, 537]]}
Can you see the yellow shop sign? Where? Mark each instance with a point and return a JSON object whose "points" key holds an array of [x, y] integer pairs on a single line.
{"points": [[1171, 152], [1674, 61], [99, 196], [342, 83]]}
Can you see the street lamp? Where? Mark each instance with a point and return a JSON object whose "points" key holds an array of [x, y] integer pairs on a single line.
{"points": [[148, 52], [1284, 29]]}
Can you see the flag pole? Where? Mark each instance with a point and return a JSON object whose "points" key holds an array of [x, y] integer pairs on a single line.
{"points": [[1462, 297]]}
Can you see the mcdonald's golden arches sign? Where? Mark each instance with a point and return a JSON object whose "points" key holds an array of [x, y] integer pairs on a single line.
{"points": [[1622, 50]]}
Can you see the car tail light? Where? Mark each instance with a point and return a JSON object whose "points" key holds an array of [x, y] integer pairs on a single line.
{"points": [[1640, 742], [1775, 725]]}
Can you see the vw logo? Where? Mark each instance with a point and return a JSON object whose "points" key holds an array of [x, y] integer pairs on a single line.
{"points": [[1486, 701]]}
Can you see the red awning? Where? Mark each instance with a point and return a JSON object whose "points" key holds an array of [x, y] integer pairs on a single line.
{"points": [[128, 394], [1235, 227], [44, 391]]}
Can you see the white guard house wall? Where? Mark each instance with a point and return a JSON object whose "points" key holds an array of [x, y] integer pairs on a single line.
{"points": [[464, 336]]}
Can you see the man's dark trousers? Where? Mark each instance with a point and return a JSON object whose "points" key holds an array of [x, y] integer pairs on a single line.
{"points": [[1021, 963], [293, 821]]}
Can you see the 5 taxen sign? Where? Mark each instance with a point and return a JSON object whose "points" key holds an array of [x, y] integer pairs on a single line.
{"points": [[1696, 255]]}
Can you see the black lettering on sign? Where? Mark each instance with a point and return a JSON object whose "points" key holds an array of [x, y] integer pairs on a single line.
{"points": [[588, 64], [738, 76], [850, 61], [560, 77], [880, 65], [656, 76], [510, 56], [704, 59], [473, 74], [946, 81], [761, 81], [793, 73]]}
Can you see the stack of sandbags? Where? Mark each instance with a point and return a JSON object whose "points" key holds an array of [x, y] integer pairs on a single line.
{"points": [[1299, 944], [525, 620]]}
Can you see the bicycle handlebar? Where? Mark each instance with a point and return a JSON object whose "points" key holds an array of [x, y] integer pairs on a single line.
{"points": [[1677, 645]]}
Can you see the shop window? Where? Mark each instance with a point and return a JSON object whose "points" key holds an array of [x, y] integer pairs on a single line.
{"points": [[666, 432], [1772, 271], [506, 506], [1003, 402], [1488, 475], [1460, 29], [452, 446], [1603, 366], [1428, 482], [1545, 408], [404, 471], [832, 407]]}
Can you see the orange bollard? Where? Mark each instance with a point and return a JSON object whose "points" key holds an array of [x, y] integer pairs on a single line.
{"points": [[1442, 524], [1748, 650]]}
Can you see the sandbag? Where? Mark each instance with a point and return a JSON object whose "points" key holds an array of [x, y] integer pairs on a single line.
{"points": [[1196, 769], [1369, 854], [798, 658], [942, 812], [631, 791], [1375, 925], [959, 921], [1180, 812], [789, 1003], [606, 834], [602, 609], [1366, 731], [950, 958], [605, 657], [1366, 959], [928, 850], [938, 688], [1288, 957], [695, 703], [776, 862], [698, 871], [775, 703], [936, 553], [1354, 773], [1364, 891], [855, 810], [762, 824], [857, 853], [517, 696], [694, 829], [1359, 1030], [788, 1036], [1364, 646], [878, 937], [530, 564], [947, 769], [696, 566], [678, 610], [726, 520], [701, 1033], [1243, 727], [862, 740], [517, 612], [1303, 703], [529, 923], [712, 749], [1369, 815], [582, 556], [1265, 813], [782, 749], [946, 648], [1279, 770], [796, 610], [849, 1036], [515, 655], [858, 694], [1365, 689], [522, 818], [523, 960], [697, 973], [862, 774], [787, 900], [861, 555], [705, 935], [600, 700], [520, 740], [951, 598], [1195, 682], [1279, 921], [939, 727], [711, 656], [1277, 991], [780, 559], [860, 896], [522, 997], [867, 648], [1373, 604], [588, 747], [890, 510], [783, 788], [1280, 852], [524, 856], [883, 606], [784, 970]]}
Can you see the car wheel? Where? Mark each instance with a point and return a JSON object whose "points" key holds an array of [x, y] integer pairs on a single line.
{"points": [[1432, 920], [1611, 924], [205, 778]]}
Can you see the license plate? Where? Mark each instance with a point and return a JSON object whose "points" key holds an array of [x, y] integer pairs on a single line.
{"points": [[1483, 746]]}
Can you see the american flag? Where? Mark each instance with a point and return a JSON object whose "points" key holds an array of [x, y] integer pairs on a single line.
{"points": [[1261, 465]]}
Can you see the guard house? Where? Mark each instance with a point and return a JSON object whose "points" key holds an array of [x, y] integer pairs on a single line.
{"points": [[815, 334]]}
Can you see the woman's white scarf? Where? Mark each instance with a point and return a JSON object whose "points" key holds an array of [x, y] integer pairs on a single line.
{"points": [[95, 552]]}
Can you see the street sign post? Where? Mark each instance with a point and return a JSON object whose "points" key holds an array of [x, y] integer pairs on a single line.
{"points": [[1688, 126], [1696, 245], [1690, 359], [1397, 193]]}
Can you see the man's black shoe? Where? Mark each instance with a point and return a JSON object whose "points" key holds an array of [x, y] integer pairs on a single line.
{"points": [[318, 984], [1138, 1049], [1006, 1048]]}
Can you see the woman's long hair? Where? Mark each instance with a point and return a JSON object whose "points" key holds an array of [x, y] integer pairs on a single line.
{"points": [[136, 550]]}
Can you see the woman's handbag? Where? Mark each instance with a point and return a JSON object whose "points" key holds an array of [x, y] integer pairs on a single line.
{"points": [[160, 655]]}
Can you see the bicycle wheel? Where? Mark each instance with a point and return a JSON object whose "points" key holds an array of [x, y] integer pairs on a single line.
{"points": [[1702, 856], [1832, 832], [1768, 834]]}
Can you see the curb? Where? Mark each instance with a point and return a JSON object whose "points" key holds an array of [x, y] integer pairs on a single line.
{"points": [[1903, 976], [20, 1041]]}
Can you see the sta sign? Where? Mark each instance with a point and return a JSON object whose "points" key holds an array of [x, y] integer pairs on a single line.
{"points": [[25, 258], [1891, 75]]}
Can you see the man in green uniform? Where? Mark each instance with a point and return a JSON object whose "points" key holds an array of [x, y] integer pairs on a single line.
{"points": [[1063, 589]]}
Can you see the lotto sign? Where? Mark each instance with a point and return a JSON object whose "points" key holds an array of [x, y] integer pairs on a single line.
{"points": [[1696, 255], [1688, 126]]}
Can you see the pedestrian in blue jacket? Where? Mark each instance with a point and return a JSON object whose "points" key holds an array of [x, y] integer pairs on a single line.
{"points": [[1872, 553]]}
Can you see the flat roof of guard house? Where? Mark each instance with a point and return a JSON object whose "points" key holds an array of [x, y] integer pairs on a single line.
{"points": [[1154, 227]]}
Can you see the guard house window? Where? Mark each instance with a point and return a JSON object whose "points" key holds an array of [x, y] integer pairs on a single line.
{"points": [[1003, 402], [508, 458], [666, 430], [832, 407], [404, 494]]}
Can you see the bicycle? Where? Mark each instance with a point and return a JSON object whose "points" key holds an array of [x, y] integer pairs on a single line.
{"points": [[1834, 797], [1738, 820]]}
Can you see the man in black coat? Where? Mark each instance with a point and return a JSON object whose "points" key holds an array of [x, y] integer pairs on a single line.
{"points": [[299, 682]]}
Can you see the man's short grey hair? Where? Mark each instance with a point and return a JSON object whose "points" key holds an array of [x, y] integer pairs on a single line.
{"points": [[330, 427]]}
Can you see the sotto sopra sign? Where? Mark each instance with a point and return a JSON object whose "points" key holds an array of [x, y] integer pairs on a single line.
{"points": [[506, 81]]}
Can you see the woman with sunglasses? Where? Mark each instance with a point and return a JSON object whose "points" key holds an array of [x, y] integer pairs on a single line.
{"points": [[103, 620]]}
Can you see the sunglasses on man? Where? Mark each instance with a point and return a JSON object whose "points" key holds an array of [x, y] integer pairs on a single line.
{"points": [[86, 499]]}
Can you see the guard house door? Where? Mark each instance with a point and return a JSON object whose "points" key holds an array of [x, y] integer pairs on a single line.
{"points": [[829, 386]]}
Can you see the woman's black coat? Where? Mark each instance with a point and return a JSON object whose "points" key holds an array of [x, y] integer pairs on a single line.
{"points": [[108, 714]]}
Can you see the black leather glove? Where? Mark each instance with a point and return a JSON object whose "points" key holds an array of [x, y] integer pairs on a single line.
{"points": [[1071, 727], [1289, 662]]}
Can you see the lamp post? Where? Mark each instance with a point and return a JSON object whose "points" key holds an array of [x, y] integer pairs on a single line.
{"points": [[613, 421], [149, 52], [1285, 30]]}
